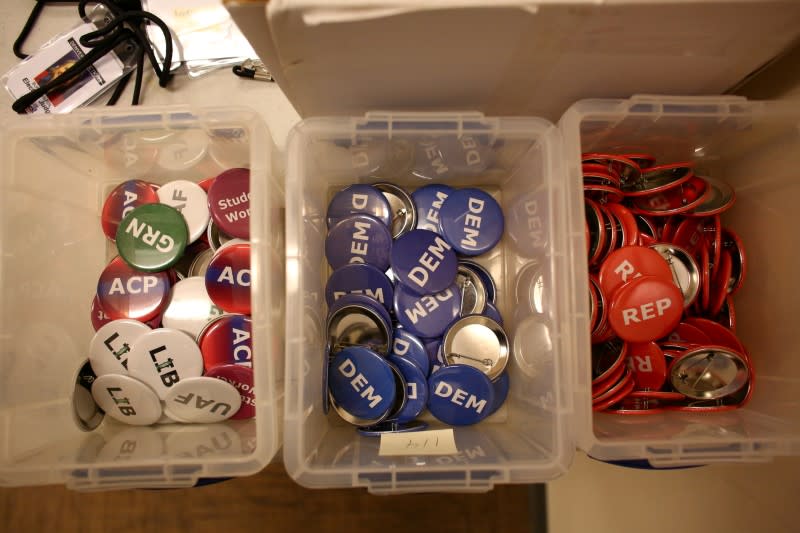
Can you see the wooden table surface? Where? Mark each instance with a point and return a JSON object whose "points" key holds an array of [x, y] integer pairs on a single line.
{"points": [[269, 501]]}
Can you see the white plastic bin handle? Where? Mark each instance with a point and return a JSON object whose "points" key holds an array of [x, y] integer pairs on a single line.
{"points": [[686, 100]]}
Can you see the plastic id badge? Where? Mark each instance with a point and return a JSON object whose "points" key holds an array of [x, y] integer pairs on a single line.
{"points": [[52, 60]]}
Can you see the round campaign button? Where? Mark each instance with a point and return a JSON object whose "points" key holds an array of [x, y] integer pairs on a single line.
{"points": [[162, 357], [479, 342], [227, 340], [492, 312], [404, 212], [428, 200], [460, 395], [358, 325], [202, 400], [471, 221], [229, 202], [124, 292], [111, 344], [424, 262], [408, 346], [228, 278], [359, 239], [501, 387], [485, 277], [625, 264], [191, 201], [359, 279], [152, 237], [99, 317], [206, 183], [360, 301], [356, 199], [122, 200], [241, 377], [416, 388], [127, 400], [362, 386], [645, 309], [190, 307], [430, 315], [647, 363]]}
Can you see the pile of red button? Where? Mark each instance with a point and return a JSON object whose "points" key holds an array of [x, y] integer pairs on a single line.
{"points": [[171, 313], [663, 271]]}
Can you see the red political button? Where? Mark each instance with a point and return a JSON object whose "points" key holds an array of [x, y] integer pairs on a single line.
{"points": [[99, 317], [206, 183], [240, 377], [687, 333], [228, 278], [648, 365], [124, 292], [123, 199], [690, 234], [720, 283], [229, 202], [625, 264], [719, 334], [630, 230], [705, 278], [227, 340], [645, 309]]}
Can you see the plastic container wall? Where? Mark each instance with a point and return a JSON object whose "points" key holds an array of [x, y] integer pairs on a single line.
{"points": [[518, 161], [56, 173], [755, 146]]}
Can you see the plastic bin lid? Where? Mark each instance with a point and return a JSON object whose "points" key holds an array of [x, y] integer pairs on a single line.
{"points": [[511, 57]]}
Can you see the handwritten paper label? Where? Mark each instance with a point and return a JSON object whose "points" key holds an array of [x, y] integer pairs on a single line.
{"points": [[433, 442]]}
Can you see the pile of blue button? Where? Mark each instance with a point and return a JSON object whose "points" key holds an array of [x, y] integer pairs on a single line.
{"points": [[412, 322]]}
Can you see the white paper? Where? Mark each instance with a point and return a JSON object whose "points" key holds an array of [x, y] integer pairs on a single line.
{"points": [[51, 61], [433, 442], [203, 28]]}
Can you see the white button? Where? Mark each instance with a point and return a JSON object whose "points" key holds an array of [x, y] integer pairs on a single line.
{"points": [[126, 399], [190, 307], [111, 345], [202, 400], [191, 200], [163, 357]]}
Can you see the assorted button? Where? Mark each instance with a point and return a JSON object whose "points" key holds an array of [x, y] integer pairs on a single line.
{"points": [[173, 339], [411, 335], [663, 271]]}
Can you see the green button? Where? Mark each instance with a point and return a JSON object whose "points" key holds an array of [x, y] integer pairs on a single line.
{"points": [[152, 237]]}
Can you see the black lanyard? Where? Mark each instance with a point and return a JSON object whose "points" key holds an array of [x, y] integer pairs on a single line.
{"points": [[127, 24]]}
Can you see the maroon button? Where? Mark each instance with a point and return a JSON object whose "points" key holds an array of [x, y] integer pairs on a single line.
{"points": [[227, 340], [123, 199], [645, 309], [229, 202], [649, 367], [240, 377], [630, 262], [124, 292], [228, 278]]}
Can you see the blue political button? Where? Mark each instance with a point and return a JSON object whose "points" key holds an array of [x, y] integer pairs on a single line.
{"points": [[428, 200], [460, 395], [359, 239], [359, 199], [492, 312], [501, 387], [362, 384], [471, 221], [428, 315], [435, 355], [363, 300], [410, 347], [424, 262], [485, 277], [359, 279], [416, 388]]}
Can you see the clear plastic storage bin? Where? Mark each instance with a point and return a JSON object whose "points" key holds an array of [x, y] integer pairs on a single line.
{"points": [[519, 161], [56, 173], [755, 146]]}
